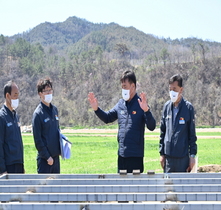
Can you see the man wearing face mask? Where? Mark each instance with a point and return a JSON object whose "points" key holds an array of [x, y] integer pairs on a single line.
{"points": [[132, 113], [11, 146], [45, 125], [178, 136]]}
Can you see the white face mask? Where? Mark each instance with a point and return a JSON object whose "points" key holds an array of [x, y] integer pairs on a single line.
{"points": [[125, 94], [48, 98], [173, 96], [14, 103]]}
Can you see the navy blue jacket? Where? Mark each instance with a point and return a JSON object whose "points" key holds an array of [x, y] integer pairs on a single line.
{"points": [[178, 141], [45, 124], [11, 146], [131, 122]]}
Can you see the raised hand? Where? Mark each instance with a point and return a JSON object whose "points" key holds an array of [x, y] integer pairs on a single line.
{"points": [[93, 101], [143, 102]]}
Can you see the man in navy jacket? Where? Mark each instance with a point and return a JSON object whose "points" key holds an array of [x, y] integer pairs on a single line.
{"points": [[132, 113], [45, 125], [178, 136], [11, 146]]}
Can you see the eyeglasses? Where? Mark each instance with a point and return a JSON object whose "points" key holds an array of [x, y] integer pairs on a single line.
{"points": [[48, 91]]}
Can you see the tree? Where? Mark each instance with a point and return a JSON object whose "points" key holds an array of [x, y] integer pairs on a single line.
{"points": [[20, 48], [203, 50], [164, 56], [193, 49], [122, 49], [2, 40]]}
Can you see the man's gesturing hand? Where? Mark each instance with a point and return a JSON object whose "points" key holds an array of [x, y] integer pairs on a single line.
{"points": [[93, 101], [143, 102]]}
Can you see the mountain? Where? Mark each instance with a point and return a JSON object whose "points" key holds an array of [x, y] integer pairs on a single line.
{"points": [[79, 35], [138, 43], [81, 56], [60, 34], [76, 35]]}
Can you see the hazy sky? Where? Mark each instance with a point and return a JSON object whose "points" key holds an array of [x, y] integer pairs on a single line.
{"points": [[163, 18]]}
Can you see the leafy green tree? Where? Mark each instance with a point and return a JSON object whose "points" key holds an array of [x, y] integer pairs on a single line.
{"points": [[26, 66], [20, 48], [164, 56], [2, 40]]}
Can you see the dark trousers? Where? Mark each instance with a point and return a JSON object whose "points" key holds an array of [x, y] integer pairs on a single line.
{"points": [[176, 164], [130, 164], [17, 168], [44, 168]]}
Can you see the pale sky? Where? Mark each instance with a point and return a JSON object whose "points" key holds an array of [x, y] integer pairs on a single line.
{"points": [[162, 18]]}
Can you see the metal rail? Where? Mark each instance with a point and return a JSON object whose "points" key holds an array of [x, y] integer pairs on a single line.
{"points": [[108, 188], [107, 197], [128, 181], [111, 206], [112, 176], [180, 191]]}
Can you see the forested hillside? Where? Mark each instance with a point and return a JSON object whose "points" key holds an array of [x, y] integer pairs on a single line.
{"points": [[81, 56]]}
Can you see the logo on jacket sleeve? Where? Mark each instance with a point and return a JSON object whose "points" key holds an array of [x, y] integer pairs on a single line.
{"points": [[122, 112], [134, 112]]}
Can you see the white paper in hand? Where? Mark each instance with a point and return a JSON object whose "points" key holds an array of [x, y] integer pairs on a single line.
{"points": [[65, 147]]}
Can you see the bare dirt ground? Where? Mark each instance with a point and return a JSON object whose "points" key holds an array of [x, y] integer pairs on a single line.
{"points": [[115, 130], [209, 168]]}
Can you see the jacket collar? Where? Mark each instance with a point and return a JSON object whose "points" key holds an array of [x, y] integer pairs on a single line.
{"points": [[46, 107], [9, 112], [132, 100], [179, 105]]}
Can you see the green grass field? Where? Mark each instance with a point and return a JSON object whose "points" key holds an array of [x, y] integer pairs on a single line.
{"points": [[98, 154]]}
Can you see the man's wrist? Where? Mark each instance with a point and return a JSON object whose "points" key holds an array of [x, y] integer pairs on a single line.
{"points": [[96, 109], [148, 109]]}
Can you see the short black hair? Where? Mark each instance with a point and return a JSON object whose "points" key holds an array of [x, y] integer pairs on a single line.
{"points": [[128, 74], [178, 78], [42, 83], [8, 87]]}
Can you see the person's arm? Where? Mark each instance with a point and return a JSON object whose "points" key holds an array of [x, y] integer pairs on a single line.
{"points": [[106, 117], [149, 119], [2, 157], [109, 116], [192, 134], [39, 144], [192, 139], [162, 135], [56, 111]]}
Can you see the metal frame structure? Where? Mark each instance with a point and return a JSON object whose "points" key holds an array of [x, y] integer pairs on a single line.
{"points": [[175, 191]]}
